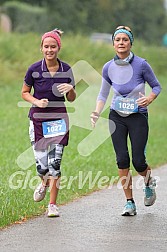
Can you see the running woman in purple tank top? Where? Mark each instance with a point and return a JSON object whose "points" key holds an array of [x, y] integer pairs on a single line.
{"points": [[52, 82], [128, 75]]}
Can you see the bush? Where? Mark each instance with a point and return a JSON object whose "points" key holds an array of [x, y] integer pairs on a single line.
{"points": [[26, 18]]}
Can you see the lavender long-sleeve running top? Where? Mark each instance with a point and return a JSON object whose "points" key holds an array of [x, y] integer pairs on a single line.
{"points": [[127, 80]]}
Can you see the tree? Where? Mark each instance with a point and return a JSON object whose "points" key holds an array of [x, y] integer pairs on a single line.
{"points": [[32, 2], [147, 19]]}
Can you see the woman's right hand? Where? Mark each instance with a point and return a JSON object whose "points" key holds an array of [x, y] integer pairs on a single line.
{"points": [[42, 103], [94, 117]]}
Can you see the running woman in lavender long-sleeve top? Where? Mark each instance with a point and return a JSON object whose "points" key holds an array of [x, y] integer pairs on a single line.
{"points": [[129, 75], [51, 80]]}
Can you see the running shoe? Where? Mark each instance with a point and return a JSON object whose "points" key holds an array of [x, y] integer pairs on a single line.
{"points": [[129, 209], [40, 192], [150, 195], [53, 211]]}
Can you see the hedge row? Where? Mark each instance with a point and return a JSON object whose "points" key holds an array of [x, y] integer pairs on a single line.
{"points": [[26, 18]]}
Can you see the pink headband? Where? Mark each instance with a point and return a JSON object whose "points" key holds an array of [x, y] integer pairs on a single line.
{"points": [[53, 34]]}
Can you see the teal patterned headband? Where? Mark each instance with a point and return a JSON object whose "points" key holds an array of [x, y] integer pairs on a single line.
{"points": [[130, 35]]}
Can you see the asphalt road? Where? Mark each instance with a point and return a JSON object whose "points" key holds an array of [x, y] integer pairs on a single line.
{"points": [[94, 223]]}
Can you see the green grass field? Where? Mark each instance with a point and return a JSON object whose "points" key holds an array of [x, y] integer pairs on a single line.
{"points": [[80, 174]]}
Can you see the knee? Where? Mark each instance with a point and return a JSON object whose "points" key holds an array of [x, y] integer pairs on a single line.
{"points": [[123, 161], [139, 165], [54, 167], [40, 170], [41, 162]]}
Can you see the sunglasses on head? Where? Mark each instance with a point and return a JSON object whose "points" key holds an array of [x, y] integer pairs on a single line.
{"points": [[123, 27]]}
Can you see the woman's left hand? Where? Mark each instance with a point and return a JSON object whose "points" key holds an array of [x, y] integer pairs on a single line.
{"points": [[143, 101], [64, 88]]}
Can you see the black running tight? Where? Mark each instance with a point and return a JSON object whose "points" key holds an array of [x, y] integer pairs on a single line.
{"points": [[134, 126]]}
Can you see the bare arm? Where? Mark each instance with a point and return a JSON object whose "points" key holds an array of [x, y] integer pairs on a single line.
{"points": [[26, 95], [95, 114], [144, 101], [68, 90], [71, 95]]}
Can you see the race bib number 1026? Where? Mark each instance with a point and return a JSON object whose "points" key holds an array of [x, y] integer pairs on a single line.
{"points": [[126, 105]]}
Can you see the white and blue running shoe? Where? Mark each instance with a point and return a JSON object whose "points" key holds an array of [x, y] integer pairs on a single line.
{"points": [[129, 209]]}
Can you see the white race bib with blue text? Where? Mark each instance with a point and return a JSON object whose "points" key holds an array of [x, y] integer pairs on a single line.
{"points": [[54, 128], [126, 105]]}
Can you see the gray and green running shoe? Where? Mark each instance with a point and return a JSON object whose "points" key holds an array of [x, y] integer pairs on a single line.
{"points": [[150, 195]]}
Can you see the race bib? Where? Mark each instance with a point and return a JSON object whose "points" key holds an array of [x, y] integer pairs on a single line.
{"points": [[54, 128], [126, 105]]}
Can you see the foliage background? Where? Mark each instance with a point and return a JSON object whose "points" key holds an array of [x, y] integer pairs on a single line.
{"points": [[19, 49], [17, 52], [146, 18]]}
